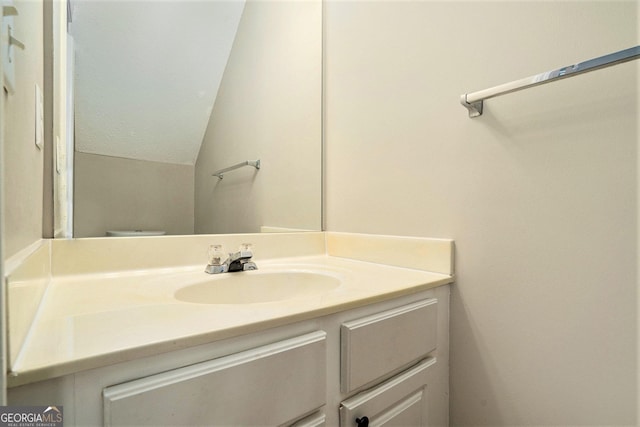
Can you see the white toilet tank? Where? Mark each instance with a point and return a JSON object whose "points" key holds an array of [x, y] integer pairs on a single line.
{"points": [[134, 233]]}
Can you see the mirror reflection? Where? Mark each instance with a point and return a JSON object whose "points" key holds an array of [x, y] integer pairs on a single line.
{"points": [[168, 93]]}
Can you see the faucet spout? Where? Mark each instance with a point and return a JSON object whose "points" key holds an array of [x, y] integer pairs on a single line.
{"points": [[242, 265], [241, 260]]}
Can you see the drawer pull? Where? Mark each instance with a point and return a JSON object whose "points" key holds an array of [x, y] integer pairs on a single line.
{"points": [[362, 422]]}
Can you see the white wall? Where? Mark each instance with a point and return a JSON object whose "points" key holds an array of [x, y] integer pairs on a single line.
{"points": [[112, 193], [269, 108], [23, 162], [540, 193]]}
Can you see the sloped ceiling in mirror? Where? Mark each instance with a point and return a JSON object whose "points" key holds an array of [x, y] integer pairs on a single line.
{"points": [[147, 74]]}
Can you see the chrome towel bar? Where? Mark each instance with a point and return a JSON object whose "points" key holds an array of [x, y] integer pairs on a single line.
{"points": [[474, 101], [221, 172]]}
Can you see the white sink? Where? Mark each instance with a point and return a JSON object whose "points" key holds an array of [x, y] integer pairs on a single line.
{"points": [[252, 287]]}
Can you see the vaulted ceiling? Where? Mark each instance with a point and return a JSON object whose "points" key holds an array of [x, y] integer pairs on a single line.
{"points": [[147, 74]]}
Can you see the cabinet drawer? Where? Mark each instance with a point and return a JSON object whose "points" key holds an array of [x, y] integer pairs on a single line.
{"points": [[400, 401], [376, 345], [315, 420], [268, 386]]}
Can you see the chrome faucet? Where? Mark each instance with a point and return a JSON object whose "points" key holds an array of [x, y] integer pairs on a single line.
{"points": [[237, 261]]}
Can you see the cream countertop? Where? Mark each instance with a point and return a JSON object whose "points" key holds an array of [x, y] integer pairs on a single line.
{"points": [[91, 320]]}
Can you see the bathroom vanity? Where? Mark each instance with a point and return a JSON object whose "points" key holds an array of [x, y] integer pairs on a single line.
{"points": [[369, 345]]}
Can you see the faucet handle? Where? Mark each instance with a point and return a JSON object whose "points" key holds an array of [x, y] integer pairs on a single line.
{"points": [[216, 255], [246, 250]]}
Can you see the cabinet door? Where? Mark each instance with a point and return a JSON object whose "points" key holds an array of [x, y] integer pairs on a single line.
{"points": [[270, 385], [377, 345], [400, 401]]}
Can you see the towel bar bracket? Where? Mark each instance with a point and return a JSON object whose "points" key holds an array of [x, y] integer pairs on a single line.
{"points": [[475, 108]]}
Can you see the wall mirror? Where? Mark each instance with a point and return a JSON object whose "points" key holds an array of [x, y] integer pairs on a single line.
{"points": [[166, 93]]}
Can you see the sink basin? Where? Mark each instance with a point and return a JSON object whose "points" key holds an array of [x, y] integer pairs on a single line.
{"points": [[252, 287]]}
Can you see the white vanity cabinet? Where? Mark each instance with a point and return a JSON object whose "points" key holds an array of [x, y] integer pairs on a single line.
{"points": [[387, 361]]}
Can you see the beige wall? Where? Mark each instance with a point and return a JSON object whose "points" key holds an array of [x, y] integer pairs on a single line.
{"points": [[23, 161], [539, 193], [112, 193], [269, 108]]}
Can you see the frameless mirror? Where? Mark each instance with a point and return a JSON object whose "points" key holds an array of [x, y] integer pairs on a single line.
{"points": [[167, 93]]}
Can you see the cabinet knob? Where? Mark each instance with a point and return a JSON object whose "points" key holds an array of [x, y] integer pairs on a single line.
{"points": [[362, 422]]}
